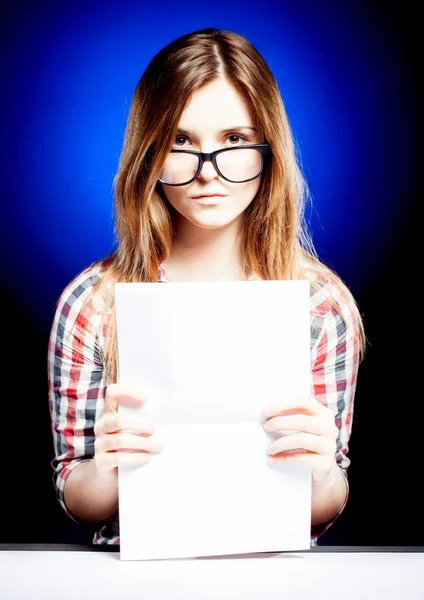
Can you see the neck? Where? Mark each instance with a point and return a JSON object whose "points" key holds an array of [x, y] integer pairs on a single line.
{"points": [[204, 254]]}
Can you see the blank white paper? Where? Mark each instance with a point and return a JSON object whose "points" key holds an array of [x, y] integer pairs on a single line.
{"points": [[211, 357]]}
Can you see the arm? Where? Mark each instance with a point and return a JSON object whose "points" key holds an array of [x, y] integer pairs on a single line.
{"points": [[334, 372], [88, 496], [328, 501], [76, 385]]}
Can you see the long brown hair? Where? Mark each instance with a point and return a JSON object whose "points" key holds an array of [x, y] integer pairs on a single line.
{"points": [[275, 241]]}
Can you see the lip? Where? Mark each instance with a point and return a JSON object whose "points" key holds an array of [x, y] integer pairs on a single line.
{"points": [[209, 200], [200, 196]]}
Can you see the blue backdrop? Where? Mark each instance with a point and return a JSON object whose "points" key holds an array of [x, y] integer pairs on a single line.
{"points": [[69, 70]]}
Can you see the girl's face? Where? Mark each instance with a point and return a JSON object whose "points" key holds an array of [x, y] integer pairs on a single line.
{"points": [[216, 117]]}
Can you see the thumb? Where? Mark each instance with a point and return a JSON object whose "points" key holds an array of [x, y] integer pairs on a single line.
{"points": [[118, 393]]}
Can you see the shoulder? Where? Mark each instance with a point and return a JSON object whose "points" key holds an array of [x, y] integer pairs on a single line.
{"points": [[337, 335], [334, 312], [80, 300], [81, 288], [330, 295]]}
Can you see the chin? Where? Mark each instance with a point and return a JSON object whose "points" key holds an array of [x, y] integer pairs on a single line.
{"points": [[207, 218], [212, 222]]}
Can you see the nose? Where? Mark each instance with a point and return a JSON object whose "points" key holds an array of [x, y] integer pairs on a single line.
{"points": [[208, 171]]}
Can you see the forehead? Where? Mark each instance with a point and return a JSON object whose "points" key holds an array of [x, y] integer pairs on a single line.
{"points": [[217, 105]]}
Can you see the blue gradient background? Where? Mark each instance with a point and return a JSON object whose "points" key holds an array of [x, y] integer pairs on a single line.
{"points": [[69, 75], [349, 76]]}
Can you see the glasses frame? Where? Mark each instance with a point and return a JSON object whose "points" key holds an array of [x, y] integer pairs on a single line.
{"points": [[263, 149]]}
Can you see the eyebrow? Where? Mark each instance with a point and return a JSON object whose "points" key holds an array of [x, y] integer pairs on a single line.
{"points": [[229, 130]]}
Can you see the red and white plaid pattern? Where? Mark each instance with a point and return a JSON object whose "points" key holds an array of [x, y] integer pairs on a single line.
{"points": [[77, 382]]}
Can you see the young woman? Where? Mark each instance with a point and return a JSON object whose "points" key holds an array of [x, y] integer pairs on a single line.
{"points": [[208, 189]]}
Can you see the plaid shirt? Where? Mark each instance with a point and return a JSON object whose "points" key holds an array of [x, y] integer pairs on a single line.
{"points": [[77, 380]]}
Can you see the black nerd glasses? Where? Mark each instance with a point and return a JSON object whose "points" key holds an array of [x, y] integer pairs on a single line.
{"points": [[236, 165]]}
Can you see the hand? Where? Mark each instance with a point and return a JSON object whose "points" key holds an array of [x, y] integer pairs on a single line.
{"points": [[122, 440], [313, 442]]}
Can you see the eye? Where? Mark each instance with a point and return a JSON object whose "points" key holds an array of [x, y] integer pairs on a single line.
{"points": [[180, 140], [234, 138]]}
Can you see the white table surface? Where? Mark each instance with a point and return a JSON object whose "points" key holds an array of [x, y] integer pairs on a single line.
{"points": [[86, 574]]}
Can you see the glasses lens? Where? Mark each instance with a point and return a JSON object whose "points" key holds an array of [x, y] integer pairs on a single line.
{"points": [[240, 164], [179, 168]]}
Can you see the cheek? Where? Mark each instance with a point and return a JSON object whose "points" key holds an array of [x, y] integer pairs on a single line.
{"points": [[248, 191], [174, 195]]}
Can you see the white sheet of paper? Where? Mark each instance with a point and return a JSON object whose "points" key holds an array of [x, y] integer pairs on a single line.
{"points": [[211, 357]]}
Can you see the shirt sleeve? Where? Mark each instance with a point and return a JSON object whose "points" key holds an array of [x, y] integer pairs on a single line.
{"points": [[335, 360], [76, 381]]}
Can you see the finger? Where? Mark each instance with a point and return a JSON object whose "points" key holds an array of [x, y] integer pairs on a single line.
{"points": [[317, 463], [109, 460], [118, 392], [305, 423], [114, 422], [124, 441], [304, 441], [307, 405]]}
